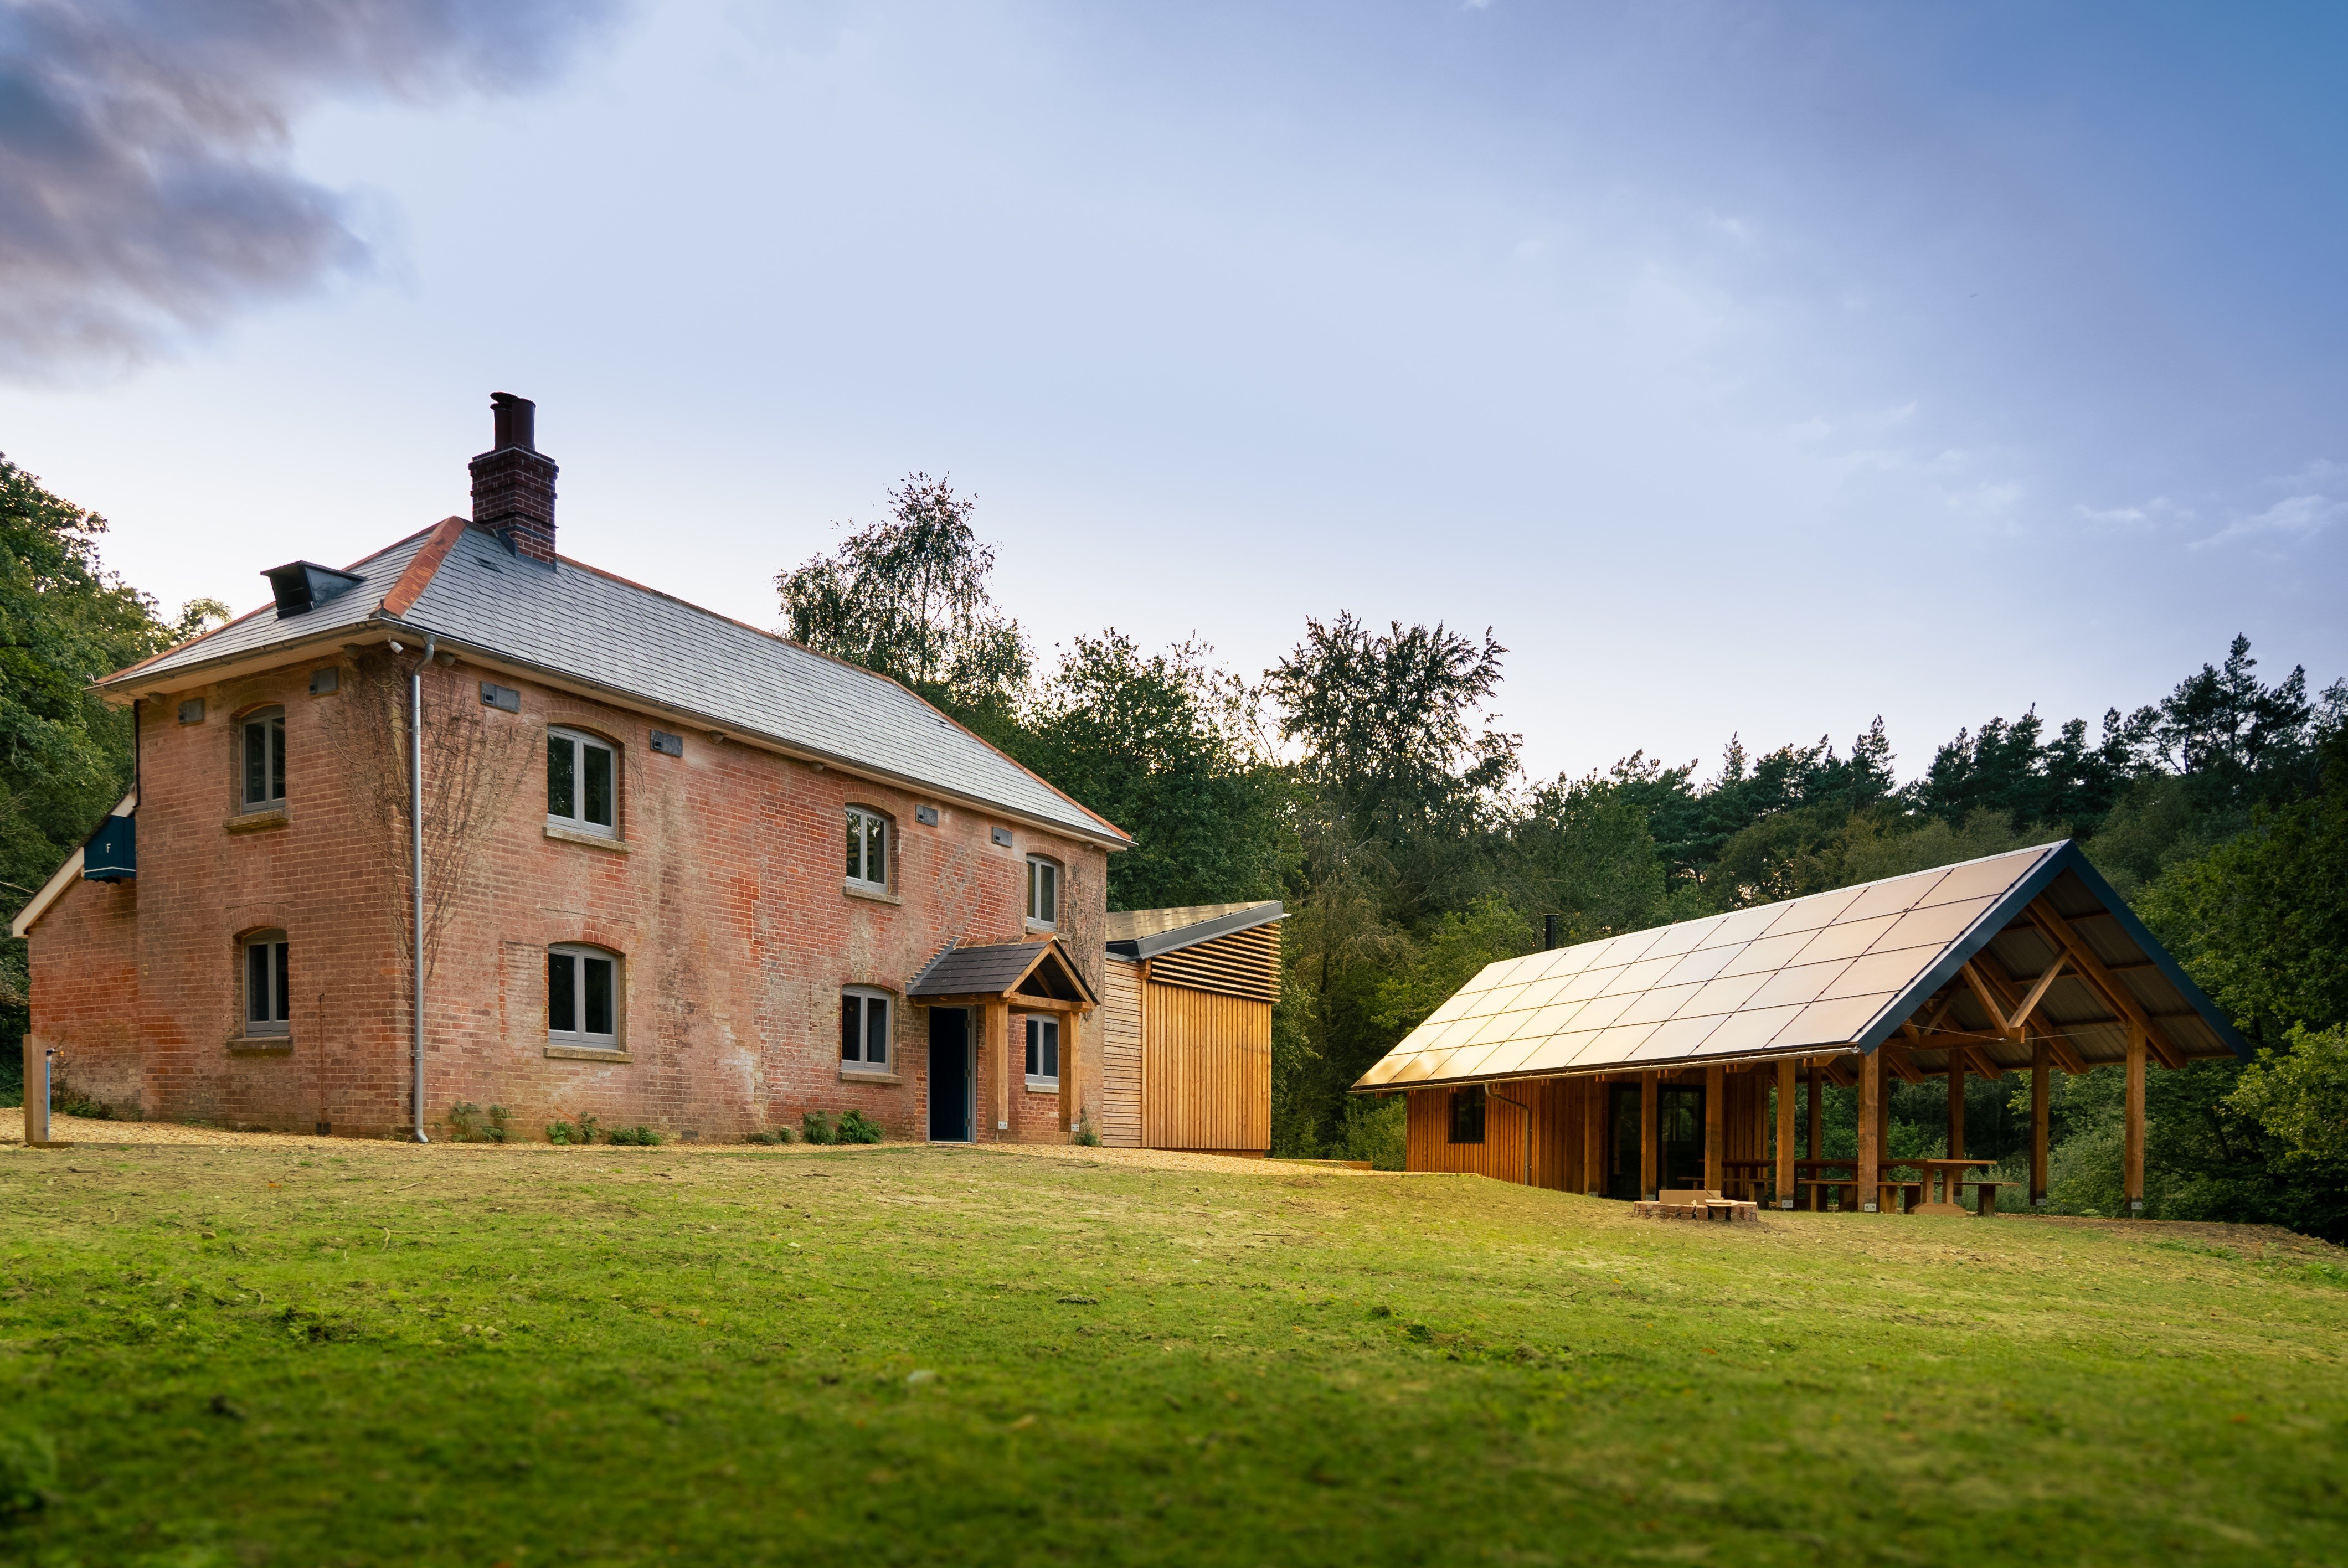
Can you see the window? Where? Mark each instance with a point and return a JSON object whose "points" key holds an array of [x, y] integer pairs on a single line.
{"points": [[1043, 1053], [1043, 893], [582, 997], [268, 995], [1468, 1115], [582, 779], [865, 1029], [261, 739], [867, 848]]}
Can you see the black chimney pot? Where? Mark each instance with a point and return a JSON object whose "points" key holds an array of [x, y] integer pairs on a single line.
{"points": [[1548, 931], [514, 422]]}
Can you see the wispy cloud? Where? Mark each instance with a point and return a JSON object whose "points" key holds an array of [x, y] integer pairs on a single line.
{"points": [[144, 182], [2292, 519]]}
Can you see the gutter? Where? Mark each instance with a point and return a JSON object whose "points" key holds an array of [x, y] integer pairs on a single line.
{"points": [[416, 824]]}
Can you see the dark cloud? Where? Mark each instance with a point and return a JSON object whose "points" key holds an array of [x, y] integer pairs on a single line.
{"points": [[144, 187]]}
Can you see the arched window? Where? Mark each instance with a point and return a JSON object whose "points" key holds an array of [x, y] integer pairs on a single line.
{"points": [[864, 1018], [583, 783], [261, 759], [867, 848], [583, 997], [268, 994], [1042, 894]]}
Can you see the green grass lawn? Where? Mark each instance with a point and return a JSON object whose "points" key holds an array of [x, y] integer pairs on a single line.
{"points": [[341, 1352]]}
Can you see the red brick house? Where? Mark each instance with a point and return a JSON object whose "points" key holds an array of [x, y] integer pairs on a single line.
{"points": [[676, 871]]}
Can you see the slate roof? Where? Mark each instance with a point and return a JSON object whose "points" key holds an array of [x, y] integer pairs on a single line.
{"points": [[1146, 933], [1836, 971], [990, 970], [572, 621]]}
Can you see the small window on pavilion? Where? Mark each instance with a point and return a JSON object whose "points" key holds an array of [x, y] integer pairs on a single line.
{"points": [[582, 997], [268, 993], [864, 1030], [1042, 1052], [867, 848], [1467, 1114], [261, 756], [1042, 894], [583, 784]]}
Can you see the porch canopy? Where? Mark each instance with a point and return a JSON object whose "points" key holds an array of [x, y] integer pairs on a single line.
{"points": [[1032, 976], [2012, 961]]}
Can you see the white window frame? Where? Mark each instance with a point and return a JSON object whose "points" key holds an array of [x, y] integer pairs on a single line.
{"points": [[277, 988], [580, 743], [862, 820], [582, 1037], [1044, 1034], [867, 996], [1043, 870], [271, 722]]}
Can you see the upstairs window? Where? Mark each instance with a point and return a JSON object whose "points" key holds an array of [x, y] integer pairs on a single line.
{"points": [[865, 1029], [260, 740], [867, 848], [582, 997], [1468, 1115], [583, 778], [268, 994], [1043, 1053], [1042, 894]]}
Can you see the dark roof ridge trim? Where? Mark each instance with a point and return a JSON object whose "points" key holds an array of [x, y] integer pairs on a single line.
{"points": [[1180, 937], [2067, 856]]}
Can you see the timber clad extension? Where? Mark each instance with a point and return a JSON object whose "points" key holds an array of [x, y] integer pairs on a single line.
{"points": [[1187, 996], [639, 902]]}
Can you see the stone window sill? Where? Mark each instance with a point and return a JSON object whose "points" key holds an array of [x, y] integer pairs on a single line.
{"points": [[257, 821], [1050, 1086], [850, 1075], [866, 890], [1043, 927], [262, 1045], [592, 840], [587, 1053]]}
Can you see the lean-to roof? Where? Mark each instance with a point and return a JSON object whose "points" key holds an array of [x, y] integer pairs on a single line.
{"points": [[1913, 961], [1146, 933], [573, 624]]}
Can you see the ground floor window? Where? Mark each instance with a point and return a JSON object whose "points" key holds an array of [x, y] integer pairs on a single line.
{"points": [[865, 1029], [268, 994], [1043, 1053], [583, 997], [1467, 1114]]}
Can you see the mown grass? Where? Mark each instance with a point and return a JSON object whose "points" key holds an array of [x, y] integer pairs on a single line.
{"points": [[358, 1354]]}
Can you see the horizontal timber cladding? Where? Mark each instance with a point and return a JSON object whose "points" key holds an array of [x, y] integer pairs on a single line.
{"points": [[1118, 1028], [1554, 1108], [1243, 964], [1206, 1070]]}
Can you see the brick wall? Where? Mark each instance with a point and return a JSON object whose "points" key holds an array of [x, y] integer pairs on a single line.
{"points": [[723, 899]]}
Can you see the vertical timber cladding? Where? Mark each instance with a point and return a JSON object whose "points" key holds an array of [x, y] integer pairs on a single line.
{"points": [[1206, 1059], [1119, 1030], [1554, 1110]]}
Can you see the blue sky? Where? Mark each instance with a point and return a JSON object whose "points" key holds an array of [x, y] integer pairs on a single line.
{"points": [[1751, 368]]}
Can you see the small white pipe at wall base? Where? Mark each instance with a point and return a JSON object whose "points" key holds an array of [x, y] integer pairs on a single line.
{"points": [[415, 826]]}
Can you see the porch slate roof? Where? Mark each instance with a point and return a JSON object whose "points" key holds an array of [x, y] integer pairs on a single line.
{"points": [[993, 971], [1835, 971]]}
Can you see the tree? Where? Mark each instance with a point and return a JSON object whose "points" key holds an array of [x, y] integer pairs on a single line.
{"points": [[65, 755], [1166, 747], [907, 598]]}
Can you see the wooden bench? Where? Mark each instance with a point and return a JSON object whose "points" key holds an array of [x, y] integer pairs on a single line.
{"points": [[1821, 1186], [1898, 1197], [1988, 1190]]}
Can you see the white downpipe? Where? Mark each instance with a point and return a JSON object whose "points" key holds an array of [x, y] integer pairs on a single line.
{"points": [[415, 845]]}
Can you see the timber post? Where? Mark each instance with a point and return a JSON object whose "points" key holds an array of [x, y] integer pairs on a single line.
{"points": [[2132, 1174], [1650, 1096], [2038, 1118], [1956, 1105], [998, 1034], [1870, 1137], [1593, 1137], [1715, 1128], [1785, 1184], [1069, 1027]]}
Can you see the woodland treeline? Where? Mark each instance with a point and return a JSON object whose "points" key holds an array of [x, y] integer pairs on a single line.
{"points": [[1362, 781]]}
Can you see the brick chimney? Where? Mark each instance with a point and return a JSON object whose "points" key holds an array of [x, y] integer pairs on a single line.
{"points": [[513, 482]]}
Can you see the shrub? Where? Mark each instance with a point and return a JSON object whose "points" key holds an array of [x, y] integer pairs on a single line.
{"points": [[497, 1130], [637, 1137], [464, 1121], [815, 1128], [855, 1127], [1086, 1133], [770, 1135]]}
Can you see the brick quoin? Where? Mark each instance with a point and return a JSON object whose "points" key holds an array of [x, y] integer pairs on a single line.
{"points": [[725, 908]]}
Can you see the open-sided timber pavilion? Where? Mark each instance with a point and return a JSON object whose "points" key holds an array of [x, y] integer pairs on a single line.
{"points": [[1643, 1063]]}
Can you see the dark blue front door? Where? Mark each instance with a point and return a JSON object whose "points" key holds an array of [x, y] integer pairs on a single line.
{"points": [[949, 1075]]}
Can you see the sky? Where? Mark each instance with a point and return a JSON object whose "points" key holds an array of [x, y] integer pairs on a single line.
{"points": [[1743, 366]]}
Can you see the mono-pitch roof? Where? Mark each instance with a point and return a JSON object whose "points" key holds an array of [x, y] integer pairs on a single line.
{"points": [[569, 621], [1846, 971], [1146, 933]]}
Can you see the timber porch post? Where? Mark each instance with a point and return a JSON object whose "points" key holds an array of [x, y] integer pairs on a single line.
{"points": [[2133, 1171], [2038, 1125], [1593, 1136], [1649, 1104], [1956, 1107], [998, 1032], [1785, 1132], [1069, 1025], [1715, 1128], [1869, 1129]]}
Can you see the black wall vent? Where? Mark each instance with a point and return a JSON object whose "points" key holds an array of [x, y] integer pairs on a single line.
{"points": [[1003, 836], [496, 696], [192, 711], [668, 746], [927, 816], [301, 586], [327, 680]]}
